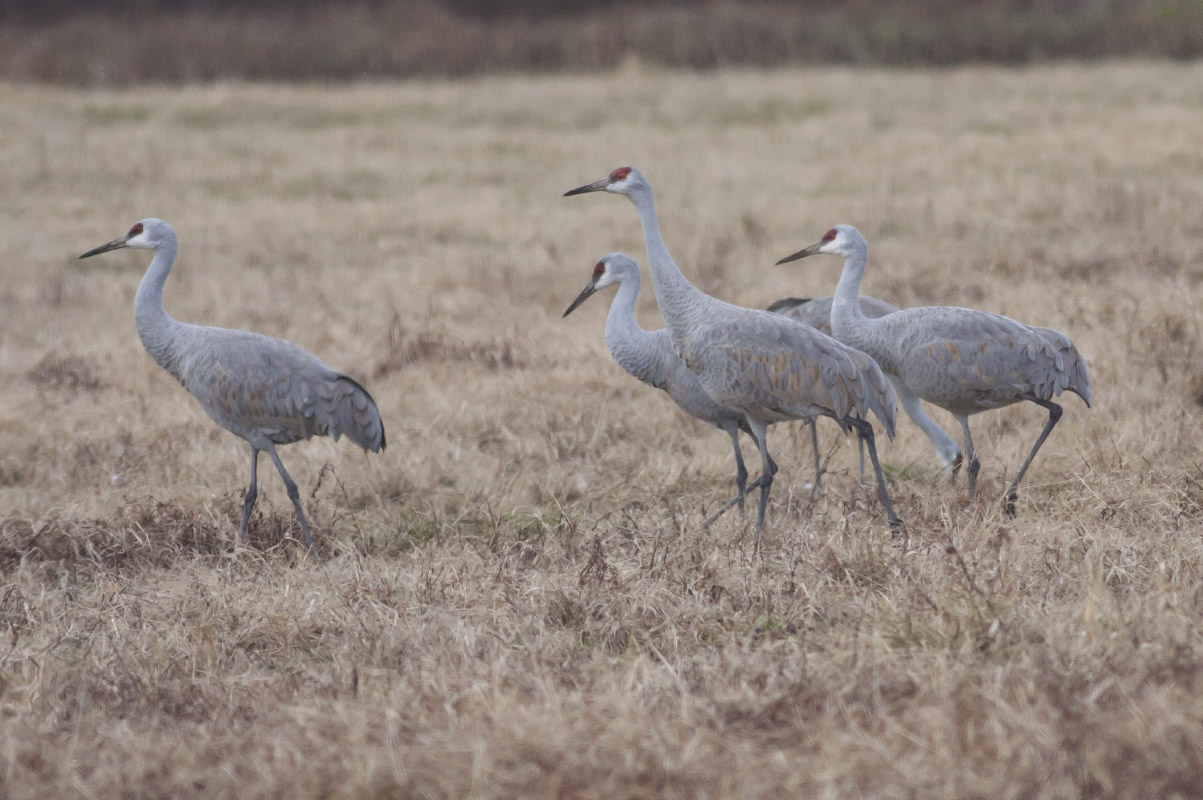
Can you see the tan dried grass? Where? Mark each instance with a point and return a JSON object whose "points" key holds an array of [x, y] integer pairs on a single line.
{"points": [[517, 598]]}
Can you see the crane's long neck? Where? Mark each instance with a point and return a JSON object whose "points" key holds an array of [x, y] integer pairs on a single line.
{"points": [[629, 344], [158, 331], [847, 319], [675, 295], [620, 322]]}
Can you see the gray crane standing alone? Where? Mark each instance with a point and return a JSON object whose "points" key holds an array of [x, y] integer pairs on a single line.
{"points": [[816, 312], [649, 357], [264, 390], [765, 366], [960, 359]]}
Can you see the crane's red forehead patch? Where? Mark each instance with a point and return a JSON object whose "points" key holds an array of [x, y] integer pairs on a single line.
{"points": [[599, 269], [831, 234], [620, 174], [134, 231]]}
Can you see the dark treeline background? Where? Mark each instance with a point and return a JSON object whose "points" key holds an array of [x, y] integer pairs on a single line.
{"points": [[132, 41]]}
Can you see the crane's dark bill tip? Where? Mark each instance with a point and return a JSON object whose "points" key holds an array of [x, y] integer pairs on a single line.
{"points": [[104, 248], [809, 251], [596, 186], [582, 297]]}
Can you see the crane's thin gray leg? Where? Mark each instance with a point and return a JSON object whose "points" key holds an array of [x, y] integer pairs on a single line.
{"points": [[1054, 414], [295, 497], [860, 454], [864, 430], [252, 493], [814, 443], [741, 472], [768, 470], [725, 507], [741, 479], [970, 456]]}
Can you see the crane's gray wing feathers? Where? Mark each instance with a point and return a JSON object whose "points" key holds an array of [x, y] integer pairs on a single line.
{"points": [[787, 305], [269, 390], [981, 358], [790, 369]]}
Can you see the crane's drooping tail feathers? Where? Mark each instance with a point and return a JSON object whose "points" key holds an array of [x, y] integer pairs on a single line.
{"points": [[1071, 371], [880, 395], [1079, 381], [352, 411]]}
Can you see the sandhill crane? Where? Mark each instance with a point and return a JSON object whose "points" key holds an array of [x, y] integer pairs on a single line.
{"points": [[766, 366], [816, 312], [960, 359], [264, 390], [649, 357]]}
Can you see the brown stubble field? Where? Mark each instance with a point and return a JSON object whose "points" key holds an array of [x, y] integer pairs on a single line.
{"points": [[517, 598]]}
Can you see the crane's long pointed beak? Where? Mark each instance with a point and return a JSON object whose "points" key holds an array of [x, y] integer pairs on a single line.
{"points": [[582, 297], [596, 186], [810, 251], [116, 244]]}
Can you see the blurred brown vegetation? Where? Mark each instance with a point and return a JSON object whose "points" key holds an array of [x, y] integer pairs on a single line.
{"points": [[518, 599], [139, 41]]}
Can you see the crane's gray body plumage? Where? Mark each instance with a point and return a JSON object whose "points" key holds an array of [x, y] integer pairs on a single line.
{"points": [[773, 369], [968, 361], [766, 366], [963, 360], [268, 391], [816, 312], [264, 390]]}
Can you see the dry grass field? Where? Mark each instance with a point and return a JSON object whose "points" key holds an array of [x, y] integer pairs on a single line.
{"points": [[517, 599]]}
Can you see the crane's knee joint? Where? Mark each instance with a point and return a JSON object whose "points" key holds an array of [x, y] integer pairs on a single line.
{"points": [[864, 428]]}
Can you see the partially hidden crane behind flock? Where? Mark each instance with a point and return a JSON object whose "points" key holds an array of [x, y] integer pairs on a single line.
{"points": [[960, 359], [267, 391], [816, 312], [765, 366], [649, 357]]}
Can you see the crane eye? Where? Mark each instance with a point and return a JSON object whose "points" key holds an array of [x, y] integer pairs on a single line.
{"points": [[620, 174], [134, 231], [831, 234], [599, 269]]}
